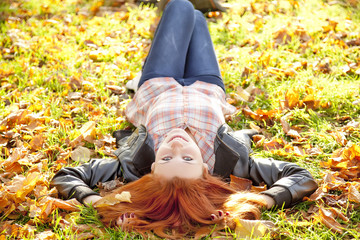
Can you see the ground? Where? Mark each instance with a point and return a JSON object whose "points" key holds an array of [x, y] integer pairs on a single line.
{"points": [[292, 69]]}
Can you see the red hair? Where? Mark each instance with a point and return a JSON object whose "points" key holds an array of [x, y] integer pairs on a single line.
{"points": [[180, 207]]}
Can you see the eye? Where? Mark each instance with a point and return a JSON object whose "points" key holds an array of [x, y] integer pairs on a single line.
{"points": [[187, 158], [166, 158]]}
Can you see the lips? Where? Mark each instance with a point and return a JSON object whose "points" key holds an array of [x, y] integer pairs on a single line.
{"points": [[177, 136]]}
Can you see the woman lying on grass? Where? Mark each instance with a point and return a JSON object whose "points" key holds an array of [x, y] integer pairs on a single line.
{"points": [[182, 142]]}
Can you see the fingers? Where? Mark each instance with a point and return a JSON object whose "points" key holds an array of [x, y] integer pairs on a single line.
{"points": [[124, 220], [219, 215]]}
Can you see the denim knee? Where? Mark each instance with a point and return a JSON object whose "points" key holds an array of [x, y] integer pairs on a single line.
{"points": [[183, 6]]}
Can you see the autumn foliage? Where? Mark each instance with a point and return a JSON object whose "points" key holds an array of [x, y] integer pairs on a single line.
{"points": [[292, 69]]}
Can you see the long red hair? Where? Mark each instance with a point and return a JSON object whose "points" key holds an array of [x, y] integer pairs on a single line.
{"points": [[180, 207]]}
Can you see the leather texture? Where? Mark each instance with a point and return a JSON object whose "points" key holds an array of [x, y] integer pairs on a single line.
{"points": [[287, 182]]}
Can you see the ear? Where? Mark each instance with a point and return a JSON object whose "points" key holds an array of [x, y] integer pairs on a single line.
{"points": [[152, 167], [205, 168]]}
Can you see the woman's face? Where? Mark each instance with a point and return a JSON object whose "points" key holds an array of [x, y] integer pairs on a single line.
{"points": [[178, 156]]}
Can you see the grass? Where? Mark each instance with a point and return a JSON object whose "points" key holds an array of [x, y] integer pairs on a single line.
{"points": [[52, 48]]}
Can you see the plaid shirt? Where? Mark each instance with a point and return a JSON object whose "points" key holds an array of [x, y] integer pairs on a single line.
{"points": [[162, 104]]}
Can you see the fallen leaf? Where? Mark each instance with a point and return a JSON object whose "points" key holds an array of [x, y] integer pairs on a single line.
{"points": [[27, 185], [240, 184], [354, 195], [274, 144], [109, 186], [113, 199], [292, 98], [116, 89], [87, 133], [318, 194], [81, 154], [328, 220], [37, 142], [252, 228], [46, 235], [285, 124], [282, 36]]}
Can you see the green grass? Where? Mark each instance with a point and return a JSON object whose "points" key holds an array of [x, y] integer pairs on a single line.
{"points": [[46, 46]]}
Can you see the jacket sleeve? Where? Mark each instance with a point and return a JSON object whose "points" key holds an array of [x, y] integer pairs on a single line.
{"points": [[135, 154], [78, 182], [287, 182]]}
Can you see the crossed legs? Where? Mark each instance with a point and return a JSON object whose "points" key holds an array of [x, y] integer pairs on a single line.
{"points": [[182, 48]]}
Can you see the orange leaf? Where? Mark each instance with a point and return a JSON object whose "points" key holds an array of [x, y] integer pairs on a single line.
{"points": [[318, 194], [240, 184], [37, 142], [87, 133], [249, 113], [28, 185], [311, 102], [282, 36], [274, 144], [69, 205], [328, 220], [292, 98], [258, 189]]}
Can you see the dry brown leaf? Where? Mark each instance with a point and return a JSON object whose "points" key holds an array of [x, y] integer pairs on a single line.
{"points": [[249, 113], [282, 36], [302, 34], [277, 143], [318, 194], [14, 118], [240, 184], [322, 66], [116, 89], [260, 114], [285, 124], [313, 151], [109, 186], [37, 142], [337, 213], [27, 185], [81, 154], [311, 102], [353, 42], [331, 26], [10, 228], [354, 194], [11, 164], [294, 134], [326, 217], [339, 137]]}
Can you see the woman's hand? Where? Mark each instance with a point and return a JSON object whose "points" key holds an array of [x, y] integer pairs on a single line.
{"points": [[92, 199], [219, 216], [270, 202], [125, 219]]}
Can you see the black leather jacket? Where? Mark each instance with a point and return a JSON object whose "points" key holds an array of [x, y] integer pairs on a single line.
{"points": [[287, 182]]}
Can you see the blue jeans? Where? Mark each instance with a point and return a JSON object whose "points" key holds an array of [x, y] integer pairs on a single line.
{"points": [[182, 48]]}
